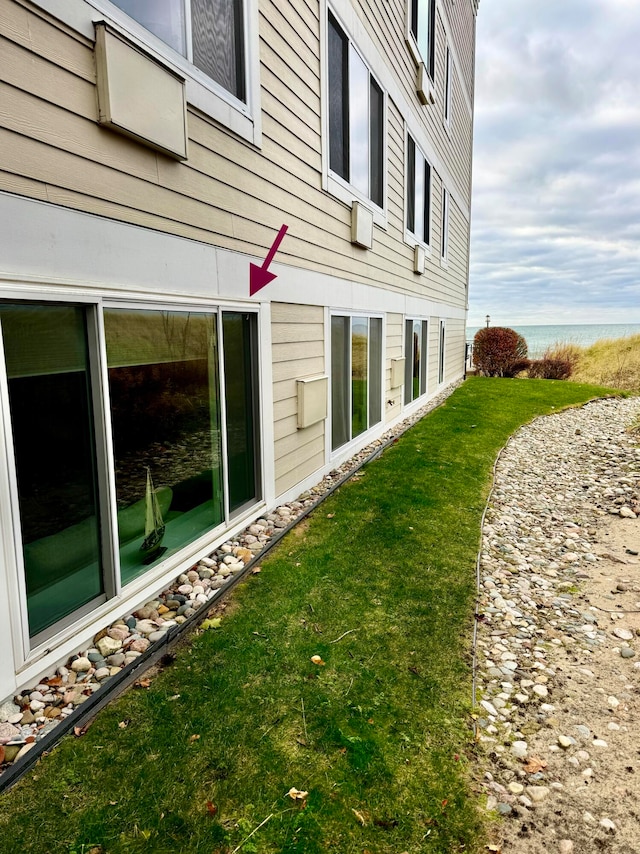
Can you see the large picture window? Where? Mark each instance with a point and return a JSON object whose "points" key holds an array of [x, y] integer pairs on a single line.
{"points": [[209, 33], [182, 404], [46, 354], [422, 24], [165, 413], [356, 118], [356, 376], [418, 193], [415, 364]]}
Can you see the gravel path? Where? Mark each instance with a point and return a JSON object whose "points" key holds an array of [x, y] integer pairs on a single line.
{"points": [[558, 635]]}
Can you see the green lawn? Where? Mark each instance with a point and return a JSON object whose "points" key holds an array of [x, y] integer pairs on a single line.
{"points": [[379, 582]]}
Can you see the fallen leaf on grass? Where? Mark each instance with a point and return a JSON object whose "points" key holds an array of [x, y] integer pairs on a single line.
{"points": [[81, 730], [317, 659], [296, 794], [193, 738], [359, 816], [212, 808], [211, 624], [256, 570], [142, 683], [330, 515], [534, 764], [124, 724]]}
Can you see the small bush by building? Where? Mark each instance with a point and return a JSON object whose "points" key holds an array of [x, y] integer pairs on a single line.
{"points": [[499, 352]]}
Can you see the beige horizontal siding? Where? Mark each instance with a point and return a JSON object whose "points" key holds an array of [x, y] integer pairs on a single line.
{"points": [[454, 360], [228, 193], [297, 334], [394, 350]]}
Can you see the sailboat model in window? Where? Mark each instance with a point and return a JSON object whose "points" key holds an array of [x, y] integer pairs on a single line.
{"points": [[154, 526]]}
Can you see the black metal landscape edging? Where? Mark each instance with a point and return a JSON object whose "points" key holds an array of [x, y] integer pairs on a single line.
{"points": [[117, 684]]}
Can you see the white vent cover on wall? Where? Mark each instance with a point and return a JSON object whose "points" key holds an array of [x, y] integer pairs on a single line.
{"points": [[424, 86], [418, 259], [312, 401], [361, 226], [397, 372], [138, 96]]}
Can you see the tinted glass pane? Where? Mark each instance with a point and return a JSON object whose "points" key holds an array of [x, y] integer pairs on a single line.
{"points": [[447, 88], [46, 355], [424, 27], [420, 164], [376, 107], [423, 361], [441, 353], [427, 202], [417, 357], [359, 366], [411, 185], [445, 223], [375, 370], [216, 30], [338, 100], [163, 384], [408, 361], [164, 18], [340, 381], [358, 122], [241, 406]]}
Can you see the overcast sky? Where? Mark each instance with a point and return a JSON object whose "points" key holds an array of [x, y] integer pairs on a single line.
{"points": [[555, 235]]}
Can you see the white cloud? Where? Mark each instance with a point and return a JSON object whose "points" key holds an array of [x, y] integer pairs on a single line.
{"points": [[556, 206]]}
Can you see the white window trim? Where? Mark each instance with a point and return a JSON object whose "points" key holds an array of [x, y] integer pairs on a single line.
{"points": [[412, 44], [442, 351], [25, 652], [207, 96], [410, 238], [420, 399], [362, 438], [333, 183], [444, 234], [447, 106]]}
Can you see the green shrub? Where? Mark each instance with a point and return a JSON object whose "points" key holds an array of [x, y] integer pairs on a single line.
{"points": [[499, 352]]}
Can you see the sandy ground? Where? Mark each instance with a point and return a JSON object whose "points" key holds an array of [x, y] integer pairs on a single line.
{"points": [[594, 802]]}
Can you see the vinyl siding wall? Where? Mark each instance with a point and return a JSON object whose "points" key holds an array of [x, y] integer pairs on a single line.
{"points": [[297, 334], [228, 192]]}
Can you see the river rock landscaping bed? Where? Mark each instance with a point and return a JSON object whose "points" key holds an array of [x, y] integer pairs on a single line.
{"points": [[558, 635], [29, 716]]}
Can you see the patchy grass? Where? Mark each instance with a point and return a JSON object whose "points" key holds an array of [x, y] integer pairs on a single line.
{"points": [[380, 584]]}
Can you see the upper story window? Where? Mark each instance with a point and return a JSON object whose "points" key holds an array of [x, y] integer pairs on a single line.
{"points": [[209, 33], [444, 245], [447, 90], [418, 193], [213, 44], [356, 118], [422, 25]]}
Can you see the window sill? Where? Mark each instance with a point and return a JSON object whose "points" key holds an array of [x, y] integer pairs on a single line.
{"points": [[411, 240], [343, 191]]}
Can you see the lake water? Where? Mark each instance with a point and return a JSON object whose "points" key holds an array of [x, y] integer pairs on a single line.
{"points": [[538, 338]]}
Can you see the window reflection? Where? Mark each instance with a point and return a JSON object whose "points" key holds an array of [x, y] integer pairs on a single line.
{"points": [[46, 356], [163, 384]]}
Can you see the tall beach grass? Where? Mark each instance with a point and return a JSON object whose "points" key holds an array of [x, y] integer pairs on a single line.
{"points": [[610, 362]]}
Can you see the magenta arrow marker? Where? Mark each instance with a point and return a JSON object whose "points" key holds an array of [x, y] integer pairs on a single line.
{"points": [[260, 276]]}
